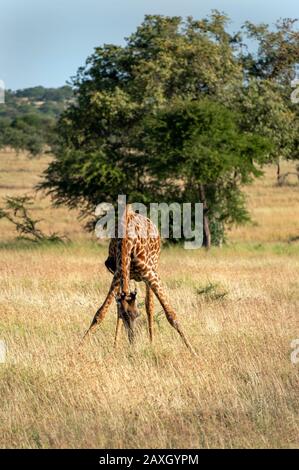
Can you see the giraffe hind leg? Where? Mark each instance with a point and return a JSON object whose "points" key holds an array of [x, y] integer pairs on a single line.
{"points": [[149, 305], [156, 285]]}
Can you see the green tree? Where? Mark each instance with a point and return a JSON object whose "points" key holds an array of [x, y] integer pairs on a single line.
{"points": [[270, 71], [166, 58], [105, 146], [201, 150], [277, 51]]}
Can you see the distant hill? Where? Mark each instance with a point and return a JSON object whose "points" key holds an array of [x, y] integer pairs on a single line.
{"points": [[28, 117]]}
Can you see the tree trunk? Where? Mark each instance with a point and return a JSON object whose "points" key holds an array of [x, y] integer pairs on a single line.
{"points": [[206, 225], [278, 170]]}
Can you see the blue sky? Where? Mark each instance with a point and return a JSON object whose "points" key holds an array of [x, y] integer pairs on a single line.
{"points": [[43, 42]]}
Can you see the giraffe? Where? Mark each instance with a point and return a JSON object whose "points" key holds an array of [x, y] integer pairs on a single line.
{"points": [[135, 256]]}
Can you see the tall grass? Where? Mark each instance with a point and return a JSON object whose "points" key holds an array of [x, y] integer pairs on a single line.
{"points": [[242, 391], [237, 305]]}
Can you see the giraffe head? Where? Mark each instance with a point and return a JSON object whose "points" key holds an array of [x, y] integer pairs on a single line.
{"points": [[127, 310]]}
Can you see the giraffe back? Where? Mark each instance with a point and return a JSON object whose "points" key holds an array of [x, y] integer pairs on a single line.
{"points": [[137, 252]]}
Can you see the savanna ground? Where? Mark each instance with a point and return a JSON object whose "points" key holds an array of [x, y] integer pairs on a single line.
{"points": [[238, 305]]}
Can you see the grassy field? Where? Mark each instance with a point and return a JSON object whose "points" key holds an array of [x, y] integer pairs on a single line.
{"points": [[238, 306]]}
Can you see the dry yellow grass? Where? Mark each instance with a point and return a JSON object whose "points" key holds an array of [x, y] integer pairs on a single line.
{"points": [[274, 210], [18, 176], [238, 306]]}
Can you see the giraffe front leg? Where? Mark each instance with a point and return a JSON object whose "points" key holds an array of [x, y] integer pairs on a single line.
{"points": [[155, 284], [149, 306], [101, 312]]}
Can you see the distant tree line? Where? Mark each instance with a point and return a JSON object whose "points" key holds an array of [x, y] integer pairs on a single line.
{"points": [[29, 116], [39, 93]]}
